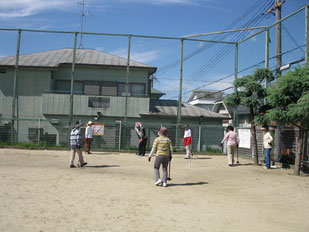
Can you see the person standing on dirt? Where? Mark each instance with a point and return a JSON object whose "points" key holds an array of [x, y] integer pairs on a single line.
{"points": [[76, 145], [88, 137], [187, 141], [232, 142], [267, 139], [162, 147], [141, 134]]}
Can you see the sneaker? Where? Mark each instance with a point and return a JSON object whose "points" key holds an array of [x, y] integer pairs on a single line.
{"points": [[164, 184], [72, 166], [84, 164], [89, 153], [266, 168], [158, 183]]}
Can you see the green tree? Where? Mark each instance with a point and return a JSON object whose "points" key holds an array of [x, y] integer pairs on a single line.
{"points": [[291, 101], [250, 93]]}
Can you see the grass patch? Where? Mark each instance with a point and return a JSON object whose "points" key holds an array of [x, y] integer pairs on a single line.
{"points": [[31, 146]]}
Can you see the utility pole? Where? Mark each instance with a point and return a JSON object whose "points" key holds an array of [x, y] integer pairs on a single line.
{"points": [[277, 8]]}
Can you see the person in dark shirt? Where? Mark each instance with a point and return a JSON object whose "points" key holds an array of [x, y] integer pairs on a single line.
{"points": [[141, 134]]}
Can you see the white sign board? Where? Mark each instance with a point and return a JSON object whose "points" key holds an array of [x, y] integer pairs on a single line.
{"points": [[245, 138], [98, 129]]}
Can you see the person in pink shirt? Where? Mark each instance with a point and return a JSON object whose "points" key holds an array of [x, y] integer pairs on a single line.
{"points": [[232, 142]]}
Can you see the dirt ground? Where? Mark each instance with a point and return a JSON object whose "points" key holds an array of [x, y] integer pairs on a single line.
{"points": [[116, 192]]}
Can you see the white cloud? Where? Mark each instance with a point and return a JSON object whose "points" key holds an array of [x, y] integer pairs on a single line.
{"points": [[162, 2], [143, 57], [22, 8]]}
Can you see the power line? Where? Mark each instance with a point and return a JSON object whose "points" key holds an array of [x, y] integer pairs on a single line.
{"points": [[224, 51], [218, 37], [243, 70], [292, 38], [272, 70]]}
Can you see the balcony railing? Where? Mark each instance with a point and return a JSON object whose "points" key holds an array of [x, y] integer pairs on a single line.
{"points": [[95, 94], [58, 103]]}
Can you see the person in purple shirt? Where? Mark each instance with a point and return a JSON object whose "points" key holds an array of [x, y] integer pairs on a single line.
{"points": [[232, 142]]}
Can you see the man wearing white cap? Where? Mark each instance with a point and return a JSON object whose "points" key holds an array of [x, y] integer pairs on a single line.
{"points": [[88, 137]]}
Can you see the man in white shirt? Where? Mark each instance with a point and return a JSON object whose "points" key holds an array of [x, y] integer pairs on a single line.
{"points": [[267, 139], [88, 137]]}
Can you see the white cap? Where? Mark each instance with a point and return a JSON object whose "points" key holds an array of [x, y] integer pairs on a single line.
{"points": [[90, 122]]}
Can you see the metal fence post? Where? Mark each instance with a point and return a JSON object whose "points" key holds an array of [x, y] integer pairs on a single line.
{"points": [[180, 95], [127, 81], [119, 139], [307, 63], [199, 138], [72, 86], [235, 115], [39, 132], [15, 90]]}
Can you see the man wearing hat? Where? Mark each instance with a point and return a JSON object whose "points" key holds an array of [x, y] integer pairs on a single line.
{"points": [[162, 147], [141, 134], [76, 144], [88, 137]]}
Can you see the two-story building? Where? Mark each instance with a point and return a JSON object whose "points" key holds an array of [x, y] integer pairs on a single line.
{"points": [[43, 98]]}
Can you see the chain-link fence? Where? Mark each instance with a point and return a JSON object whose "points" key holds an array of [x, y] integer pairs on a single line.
{"points": [[117, 136], [246, 142]]}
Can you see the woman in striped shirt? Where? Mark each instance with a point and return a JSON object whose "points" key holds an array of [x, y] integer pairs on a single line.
{"points": [[162, 147]]}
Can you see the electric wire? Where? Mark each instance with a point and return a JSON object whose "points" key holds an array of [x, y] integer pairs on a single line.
{"points": [[218, 37], [243, 70], [224, 51]]}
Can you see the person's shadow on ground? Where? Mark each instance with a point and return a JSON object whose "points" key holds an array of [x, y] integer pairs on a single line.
{"points": [[187, 184], [103, 166], [200, 158], [247, 164]]}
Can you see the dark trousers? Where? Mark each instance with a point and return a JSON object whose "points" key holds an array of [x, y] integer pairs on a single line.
{"points": [[142, 147], [87, 144]]}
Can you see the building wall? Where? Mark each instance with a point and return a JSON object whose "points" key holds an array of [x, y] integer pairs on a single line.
{"points": [[31, 85], [102, 74], [59, 104]]}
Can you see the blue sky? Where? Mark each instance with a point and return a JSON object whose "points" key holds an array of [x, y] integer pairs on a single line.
{"points": [[174, 18]]}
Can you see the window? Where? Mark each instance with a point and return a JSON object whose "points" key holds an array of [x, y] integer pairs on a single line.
{"points": [[92, 88], [64, 86], [98, 102], [109, 88], [135, 89]]}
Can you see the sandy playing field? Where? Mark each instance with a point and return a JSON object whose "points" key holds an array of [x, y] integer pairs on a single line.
{"points": [[116, 192]]}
